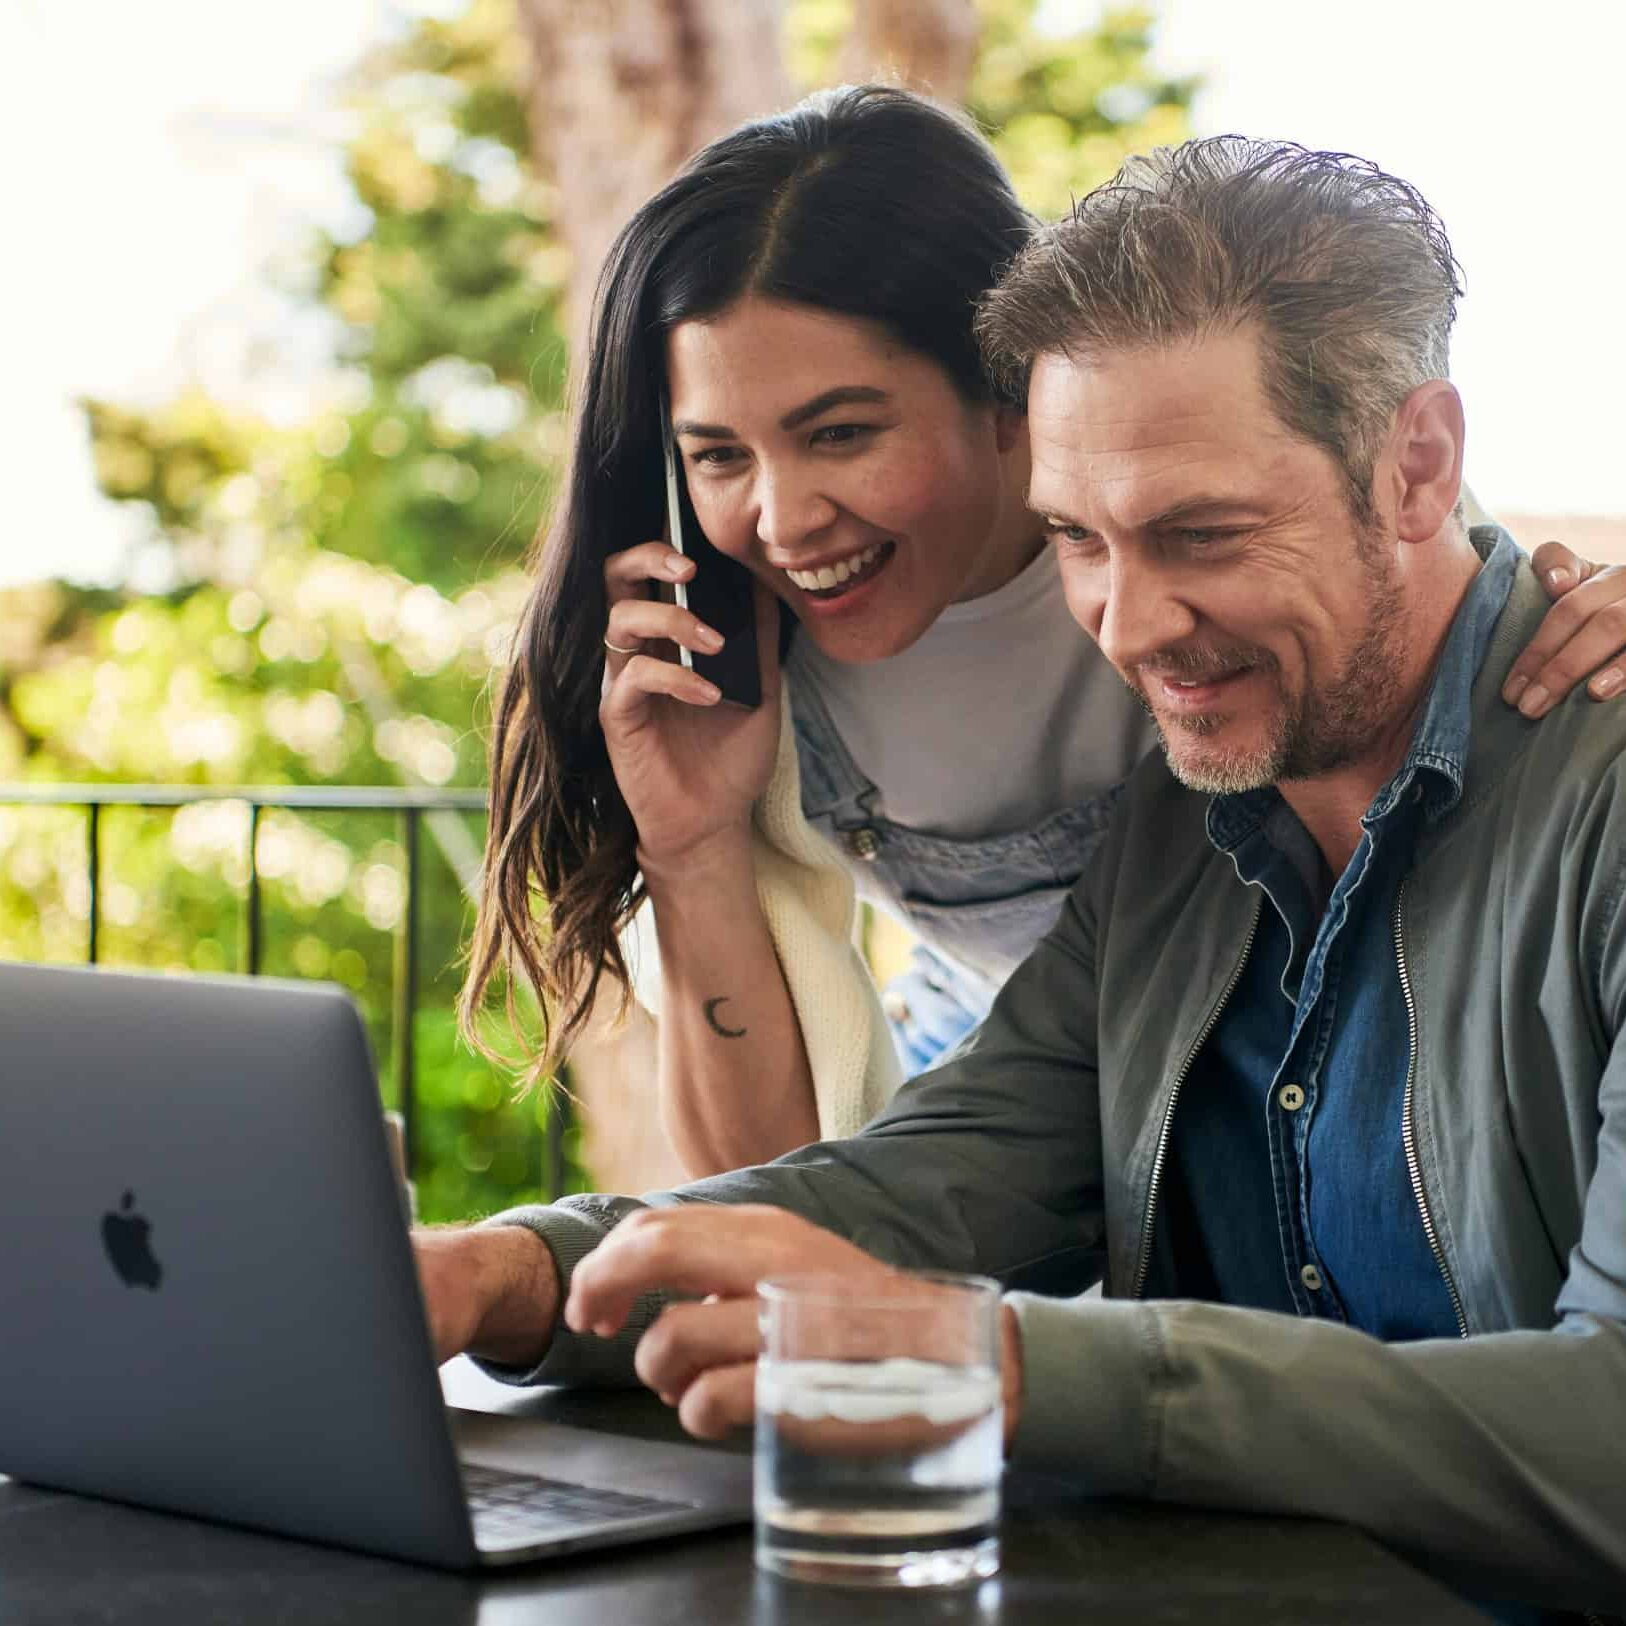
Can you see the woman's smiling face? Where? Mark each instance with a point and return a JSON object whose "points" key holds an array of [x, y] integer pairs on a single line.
{"points": [[842, 468]]}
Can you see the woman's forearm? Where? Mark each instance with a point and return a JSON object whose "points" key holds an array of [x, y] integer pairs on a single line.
{"points": [[735, 1088]]}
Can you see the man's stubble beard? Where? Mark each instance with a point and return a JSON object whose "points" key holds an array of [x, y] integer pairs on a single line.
{"points": [[1326, 729]]}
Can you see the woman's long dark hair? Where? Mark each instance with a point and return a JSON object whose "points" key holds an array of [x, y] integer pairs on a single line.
{"points": [[865, 201]]}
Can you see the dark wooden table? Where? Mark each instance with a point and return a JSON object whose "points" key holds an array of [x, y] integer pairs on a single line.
{"points": [[66, 1559]]}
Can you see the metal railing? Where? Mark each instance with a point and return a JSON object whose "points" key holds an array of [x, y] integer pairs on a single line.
{"points": [[409, 807]]}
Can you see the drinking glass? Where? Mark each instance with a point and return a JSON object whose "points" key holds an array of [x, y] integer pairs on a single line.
{"points": [[879, 1430]]}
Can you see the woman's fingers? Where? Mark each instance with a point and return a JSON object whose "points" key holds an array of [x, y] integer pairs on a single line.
{"points": [[627, 577], [641, 625], [1594, 655], [636, 623], [640, 676], [1560, 568], [1582, 638], [628, 574]]}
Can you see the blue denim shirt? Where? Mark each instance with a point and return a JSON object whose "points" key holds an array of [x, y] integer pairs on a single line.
{"points": [[1292, 1190]]}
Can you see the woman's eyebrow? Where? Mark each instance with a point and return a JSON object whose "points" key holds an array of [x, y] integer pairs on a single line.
{"points": [[841, 395]]}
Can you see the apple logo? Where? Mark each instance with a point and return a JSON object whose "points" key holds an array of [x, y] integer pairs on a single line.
{"points": [[124, 1235]]}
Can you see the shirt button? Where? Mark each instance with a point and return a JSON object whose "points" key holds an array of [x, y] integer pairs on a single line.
{"points": [[1291, 1097], [1311, 1277], [895, 1006], [863, 844]]}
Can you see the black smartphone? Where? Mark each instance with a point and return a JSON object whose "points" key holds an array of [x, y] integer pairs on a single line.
{"points": [[720, 592]]}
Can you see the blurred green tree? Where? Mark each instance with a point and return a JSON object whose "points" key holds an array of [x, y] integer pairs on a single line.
{"points": [[339, 593]]}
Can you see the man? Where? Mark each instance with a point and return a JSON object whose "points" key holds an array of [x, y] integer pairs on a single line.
{"points": [[1321, 1072]]}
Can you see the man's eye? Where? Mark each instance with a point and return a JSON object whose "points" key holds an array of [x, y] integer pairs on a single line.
{"points": [[1077, 535], [1200, 536]]}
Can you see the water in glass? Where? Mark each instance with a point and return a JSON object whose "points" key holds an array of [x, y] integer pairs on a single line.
{"points": [[878, 1472]]}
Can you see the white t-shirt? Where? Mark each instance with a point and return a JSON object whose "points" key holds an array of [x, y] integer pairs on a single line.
{"points": [[1002, 714]]}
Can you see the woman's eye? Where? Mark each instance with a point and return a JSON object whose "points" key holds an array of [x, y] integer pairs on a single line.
{"points": [[713, 457], [841, 434]]}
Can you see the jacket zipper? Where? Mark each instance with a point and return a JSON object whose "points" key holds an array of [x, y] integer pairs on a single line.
{"points": [[1408, 1135], [1408, 1130], [1174, 1095]]}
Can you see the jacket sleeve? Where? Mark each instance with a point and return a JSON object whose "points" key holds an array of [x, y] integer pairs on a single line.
{"points": [[1498, 1457], [990, 1163]]}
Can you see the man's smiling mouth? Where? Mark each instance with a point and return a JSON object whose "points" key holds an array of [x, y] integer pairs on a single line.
{"points": [[1192, 682]]}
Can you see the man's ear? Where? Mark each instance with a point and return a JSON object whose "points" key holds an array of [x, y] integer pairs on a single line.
{"points": [[1426, 444]]}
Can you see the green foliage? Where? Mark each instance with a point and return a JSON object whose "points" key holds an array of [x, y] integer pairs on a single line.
{"points": [[814, 31], [476, 1143], [342, 591], [1064, 111], [171, 460]]}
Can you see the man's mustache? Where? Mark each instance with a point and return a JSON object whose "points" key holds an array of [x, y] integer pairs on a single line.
{"points": [[1192, 663]]}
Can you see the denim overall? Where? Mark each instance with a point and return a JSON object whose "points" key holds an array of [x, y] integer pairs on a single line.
{"points": [[977, 906]]}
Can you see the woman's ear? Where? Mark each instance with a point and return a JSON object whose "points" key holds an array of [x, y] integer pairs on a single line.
{"points": [[1010, 425]]}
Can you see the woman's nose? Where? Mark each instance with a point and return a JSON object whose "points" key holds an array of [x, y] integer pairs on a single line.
{"points": [[791, 512]]}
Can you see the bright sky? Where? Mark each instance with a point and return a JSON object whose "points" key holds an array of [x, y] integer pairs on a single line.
{"points": [[164, 154], [157, 157], [1506, 118]]}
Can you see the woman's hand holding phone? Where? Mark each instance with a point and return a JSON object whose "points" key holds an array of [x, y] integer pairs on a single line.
{"points": [[689, 767]]}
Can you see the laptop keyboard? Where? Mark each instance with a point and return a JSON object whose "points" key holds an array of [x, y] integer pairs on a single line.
{"points": [[508, 1509]]}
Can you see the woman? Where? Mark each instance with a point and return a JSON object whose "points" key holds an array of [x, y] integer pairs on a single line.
{"points": [[803, 295]]}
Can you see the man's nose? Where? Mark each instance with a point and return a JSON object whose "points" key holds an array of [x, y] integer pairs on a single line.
{"points": [[1144, 609], [791, 510]]}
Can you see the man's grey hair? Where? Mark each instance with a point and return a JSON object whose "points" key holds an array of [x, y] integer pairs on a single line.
{"points": [[1346, 272]]}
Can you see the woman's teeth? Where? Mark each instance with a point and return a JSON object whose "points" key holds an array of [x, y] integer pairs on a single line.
{"points": [[828, 576]]}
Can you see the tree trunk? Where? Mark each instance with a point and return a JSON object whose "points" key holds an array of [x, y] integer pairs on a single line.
{"points": [[623, 91], [928, 45]]}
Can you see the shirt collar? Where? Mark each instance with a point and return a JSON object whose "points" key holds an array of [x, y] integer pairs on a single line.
{"points": [[1437, 760]]}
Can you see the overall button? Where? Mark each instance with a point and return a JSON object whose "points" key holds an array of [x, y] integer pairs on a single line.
{"points": [[863, 844], [1311, 1277], [895, 1007], [1291, 1097]]}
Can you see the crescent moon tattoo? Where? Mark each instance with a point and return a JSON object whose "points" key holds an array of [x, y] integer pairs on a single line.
{"points": [[716, 1026]]}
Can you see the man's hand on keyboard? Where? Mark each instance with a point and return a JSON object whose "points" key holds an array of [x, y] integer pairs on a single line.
{"points": [[700, 1355]]}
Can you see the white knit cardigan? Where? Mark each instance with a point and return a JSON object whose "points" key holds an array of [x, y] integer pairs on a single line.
{"points": [[811, 908]]}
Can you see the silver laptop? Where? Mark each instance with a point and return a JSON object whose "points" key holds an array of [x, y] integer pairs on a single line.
{"points": [[208, 1302]]}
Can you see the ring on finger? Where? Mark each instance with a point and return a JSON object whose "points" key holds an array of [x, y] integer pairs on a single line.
{"points": [[618, 650]]}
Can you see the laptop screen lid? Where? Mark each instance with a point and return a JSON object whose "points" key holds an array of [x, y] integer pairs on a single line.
{"points": [[209, 1301]]}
